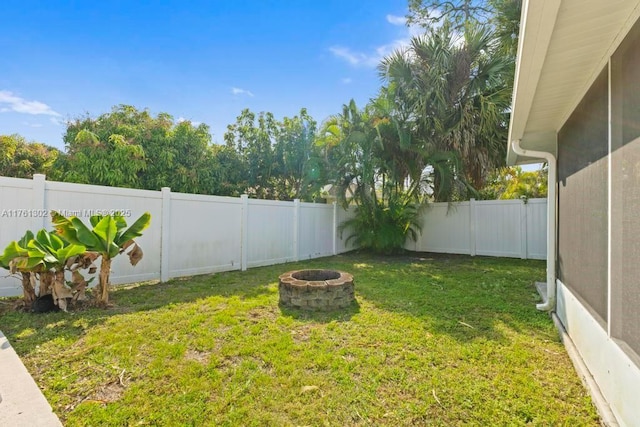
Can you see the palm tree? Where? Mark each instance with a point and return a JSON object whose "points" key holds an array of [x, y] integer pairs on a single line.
{"points": [[378, 167], [454, 86]]}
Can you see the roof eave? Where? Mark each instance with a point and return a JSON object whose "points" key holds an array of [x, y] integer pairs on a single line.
{"points": [[537, 24]]}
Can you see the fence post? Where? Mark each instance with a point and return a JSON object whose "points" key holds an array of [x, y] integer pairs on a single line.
{"points": [[472, 227], [38, 202], [165, 236], [244, 232], [523, 229], [335, 228], [296, 229]]}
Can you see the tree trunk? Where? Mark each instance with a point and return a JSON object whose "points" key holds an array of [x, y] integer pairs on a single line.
{"points": [[46, 281], [28, 292], [103, 283]]}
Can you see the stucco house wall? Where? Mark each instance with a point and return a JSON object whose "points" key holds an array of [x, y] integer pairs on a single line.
{"points": [[577, 97]]}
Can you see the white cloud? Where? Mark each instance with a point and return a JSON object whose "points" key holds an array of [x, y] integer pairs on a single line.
{"points": [[353, 58], [372, 58], [401, 21], [11, 102], [238, 91], [396, 20], [32, 125], [182, 119], [346, 80]]}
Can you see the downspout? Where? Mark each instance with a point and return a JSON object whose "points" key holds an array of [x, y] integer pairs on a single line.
{"points": [[550, 303]]}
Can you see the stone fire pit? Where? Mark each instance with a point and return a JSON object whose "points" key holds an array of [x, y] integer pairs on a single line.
{"points": [[321, 290]]}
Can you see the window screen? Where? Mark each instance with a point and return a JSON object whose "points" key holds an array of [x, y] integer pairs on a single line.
{"points": [[625, 190], [583, 199]]}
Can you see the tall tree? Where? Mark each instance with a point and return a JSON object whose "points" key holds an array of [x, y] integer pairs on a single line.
{"points": [[253, 138], [375, 166], [131, 148], [514, 183], [299, 171], [189, 168], [455, 85], [228, 171], [502, 16], [113, 161], [429, 13], [21, 159], [280, 158]]}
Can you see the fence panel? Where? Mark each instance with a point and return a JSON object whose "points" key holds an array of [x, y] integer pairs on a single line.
{"points": [[197, 234], [16, 204], [313, 239], [204, 234], [16, 217], [342, 235], [498, 228], [270, 230], [508, 228], [85, 200], [445, 229], [537, 229]]}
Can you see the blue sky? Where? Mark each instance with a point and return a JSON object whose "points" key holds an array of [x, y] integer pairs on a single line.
{"points": [[198, 60]]}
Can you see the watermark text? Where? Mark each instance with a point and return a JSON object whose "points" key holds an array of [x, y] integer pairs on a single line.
{"points": [[80, 213]]}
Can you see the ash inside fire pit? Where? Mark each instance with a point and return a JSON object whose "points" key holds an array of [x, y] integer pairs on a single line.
{"points": [[322, 290]]}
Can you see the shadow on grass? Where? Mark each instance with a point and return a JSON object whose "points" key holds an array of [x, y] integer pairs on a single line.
{"points": [[245, 285], [467, 298], [26, 331]]}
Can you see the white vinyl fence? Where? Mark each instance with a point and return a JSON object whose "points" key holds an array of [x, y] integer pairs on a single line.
{"points": [[197, 234], [189, 234], [502, 228]]}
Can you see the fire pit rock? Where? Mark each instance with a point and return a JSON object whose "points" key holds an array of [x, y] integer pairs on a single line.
{"points": [[321, 290]]}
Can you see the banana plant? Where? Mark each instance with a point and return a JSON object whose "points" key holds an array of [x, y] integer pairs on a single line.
{"points": [[55, 255], [109, 237], [17, 253], [47, 256]]}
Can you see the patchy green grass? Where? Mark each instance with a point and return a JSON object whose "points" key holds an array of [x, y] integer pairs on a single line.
{"points": [[438, 340]]}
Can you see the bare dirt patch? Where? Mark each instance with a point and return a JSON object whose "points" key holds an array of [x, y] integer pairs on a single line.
{"points": [[197, 355]]}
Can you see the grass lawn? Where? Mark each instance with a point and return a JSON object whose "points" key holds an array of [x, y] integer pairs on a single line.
{"points": [[437, 340]]}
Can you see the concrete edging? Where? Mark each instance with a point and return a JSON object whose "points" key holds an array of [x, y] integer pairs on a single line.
{"points": [[21, 401]]}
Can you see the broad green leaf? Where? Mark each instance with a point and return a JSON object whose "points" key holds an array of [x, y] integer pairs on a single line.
{"points": [[51, 260], [85, 236], [44, 239], [121, 223], [106, 232], [28, 263], [114, 250], [36, 251], [135, 230], [70, 251], [64, 228], [95, 219], [13, 250], [38, 246], [56, 242], [28, 236]]}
